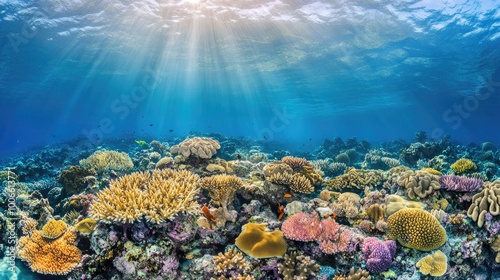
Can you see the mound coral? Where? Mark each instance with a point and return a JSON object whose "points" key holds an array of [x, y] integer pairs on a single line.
{"points": [[298, 267], [486, 201], [463, 165], [378, 254], [460, 183], [200, 147], [347, 205], [53, 229], [417, 229], [419, 183], [435, 264], [156, 196], [356, 178], [256, 242], [103, 161], [57, 257], [396, 202]]}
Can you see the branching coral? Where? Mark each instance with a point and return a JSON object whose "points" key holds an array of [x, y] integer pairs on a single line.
{"points": [[231, 263], [256, 242], [200, 147], [486, 201], [419, 183], [460, 183], [296, 163], [417, 229], [102, 161], [435, 264], [56, 257], [463, 165], [221, 189], [156, 196], [297, 267], [296, 182], [356, 178]]}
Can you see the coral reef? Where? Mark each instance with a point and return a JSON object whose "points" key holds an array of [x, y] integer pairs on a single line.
{"points": [[221, 189], [200, 147], [231, 264], [156, 196], [486, 201], [105, 161], [435, 264], [296, 266], [417, 229], [256, 242], [460, 183], [378, 254], [356, 178], [418, 183]]}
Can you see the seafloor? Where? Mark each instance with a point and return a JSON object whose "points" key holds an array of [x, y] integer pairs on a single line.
{"points": [[216, 207]]}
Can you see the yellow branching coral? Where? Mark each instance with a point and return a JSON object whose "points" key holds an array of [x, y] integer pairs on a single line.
{"points": [[309, 173], [56, 257], [432, 171], [106, 160], [296, 182], [231, 261], [201, 147], [417, 229], [256, 242], [221, 189], [54, 229], [488, 200], [463, 165], [156, 196], [86, 226], [435, 264], [419, 183], [356, 178]]}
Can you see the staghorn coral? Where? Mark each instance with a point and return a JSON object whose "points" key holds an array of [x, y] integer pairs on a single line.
{"points": [[416, 229], [256, 242], [200, 147], [296, 163], [435, 264], [53, 229], [463, 165], [356, 178], [57, 257], [156, 196], [296, 182], [460, 183], [396, 203], [104, 161], [486, 201], [418, 183], [298, 267], [230, 263], [221, 189]]}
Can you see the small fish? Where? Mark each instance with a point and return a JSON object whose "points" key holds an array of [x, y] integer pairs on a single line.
{"points": [[287, 195], [150, 124], [170, 130], [238, 156]]}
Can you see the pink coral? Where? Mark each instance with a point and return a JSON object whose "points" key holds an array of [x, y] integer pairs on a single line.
{"points": [[301, 227]]}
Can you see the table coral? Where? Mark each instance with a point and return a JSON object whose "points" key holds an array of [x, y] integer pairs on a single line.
{"points": [[435, 264], [201, 147], [156, 196], [417, 229], [56, 257], [256, 242], [296, 163], [486, 201], [378, 254]]}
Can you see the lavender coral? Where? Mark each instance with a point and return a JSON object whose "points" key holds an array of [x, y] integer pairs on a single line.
{"points": [[378, 254], [460, 183]]}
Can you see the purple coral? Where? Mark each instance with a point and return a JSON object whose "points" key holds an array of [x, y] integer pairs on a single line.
{"points": [[460, 183], [378, 254]]}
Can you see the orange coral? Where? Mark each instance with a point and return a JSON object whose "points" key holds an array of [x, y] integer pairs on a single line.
{"points": [[56, 257], [54, 229]]}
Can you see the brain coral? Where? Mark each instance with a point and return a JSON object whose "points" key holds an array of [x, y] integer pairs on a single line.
{"points": [[256, 242], [435, 264], [56, 257], [201, 147], [156, 196], [486, 201], [417, 229], [463, 165]]}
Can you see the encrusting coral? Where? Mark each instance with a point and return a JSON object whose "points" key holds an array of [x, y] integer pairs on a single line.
{"points": [[418, 183], [463, 165], [296, 267], [156, 196], [417, 229], [435, 264], [486, 201], [57, 257], [256, 242], [201, 147], [102, 161]]}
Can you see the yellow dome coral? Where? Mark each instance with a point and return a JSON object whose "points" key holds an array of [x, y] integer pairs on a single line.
{"points": [[86, 226], [463, 165], [256, 242], [54, 229], [417, 229], [435, 264], [57, 257]]}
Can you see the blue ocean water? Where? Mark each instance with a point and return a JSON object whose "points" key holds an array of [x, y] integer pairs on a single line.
{"points": [[292, 71]]}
